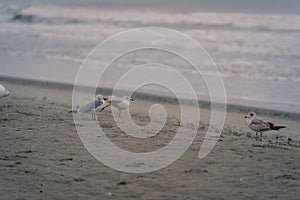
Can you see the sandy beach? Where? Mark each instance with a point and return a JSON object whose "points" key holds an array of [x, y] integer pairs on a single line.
{"points": [[42, 156], [244, 52]]}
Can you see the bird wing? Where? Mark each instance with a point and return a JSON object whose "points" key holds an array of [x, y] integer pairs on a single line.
{"points": [[258, 121], [113, 99], [259, 124], [89, 106]]}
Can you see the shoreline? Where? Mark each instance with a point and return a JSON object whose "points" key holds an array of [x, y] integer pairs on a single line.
{"points": [[145, 96]]}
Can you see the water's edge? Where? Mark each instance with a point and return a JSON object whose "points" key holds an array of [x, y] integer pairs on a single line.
{"points": [[146, 96]]}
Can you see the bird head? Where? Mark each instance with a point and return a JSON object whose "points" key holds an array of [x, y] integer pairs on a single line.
{"points": [[250, 115], [99, 97], [128, 98]]}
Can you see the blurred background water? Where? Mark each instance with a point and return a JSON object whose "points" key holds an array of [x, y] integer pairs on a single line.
{"points": [[255, 44]]}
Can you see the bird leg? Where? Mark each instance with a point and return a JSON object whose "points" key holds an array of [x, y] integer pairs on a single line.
{"points": [[94, 114], [260, 136], [256, 136]]}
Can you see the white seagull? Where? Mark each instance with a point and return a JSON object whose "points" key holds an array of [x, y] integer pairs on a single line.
{"points": [[91, 106], [118, 102], [3, 91], [260, 125]]}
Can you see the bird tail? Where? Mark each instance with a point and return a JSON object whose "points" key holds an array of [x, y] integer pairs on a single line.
{"points": [[278, 127], [273, 127], [74, 111]]}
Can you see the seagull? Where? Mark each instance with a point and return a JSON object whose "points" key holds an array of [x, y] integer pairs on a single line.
{"points": [[91, 106], [118, 102], [3, 91], [260, 125]]}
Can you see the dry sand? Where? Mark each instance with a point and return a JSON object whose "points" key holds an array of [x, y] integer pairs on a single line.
{"points": [[42, 156]]}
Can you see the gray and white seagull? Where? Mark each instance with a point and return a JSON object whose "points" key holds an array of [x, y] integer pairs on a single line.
{"points": [[260, 125], [3, 91], [91, 106], [118, 102]]}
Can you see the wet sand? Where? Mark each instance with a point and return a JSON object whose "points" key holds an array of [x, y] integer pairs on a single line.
{"points": [[42, 156]]}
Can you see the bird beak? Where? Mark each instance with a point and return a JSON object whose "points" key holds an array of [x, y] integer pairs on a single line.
{"points": [[131, 99]]}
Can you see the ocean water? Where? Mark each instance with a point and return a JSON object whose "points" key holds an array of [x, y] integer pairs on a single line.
{"points": [[255, 45]]}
